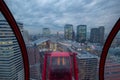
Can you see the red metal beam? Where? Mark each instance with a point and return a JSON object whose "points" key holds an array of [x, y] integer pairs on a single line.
{"points": [[44, 67], [10, 19], [106, 47], [75, 67]]}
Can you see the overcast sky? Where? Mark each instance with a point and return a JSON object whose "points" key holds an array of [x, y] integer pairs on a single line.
{"points": [[37, 14]]}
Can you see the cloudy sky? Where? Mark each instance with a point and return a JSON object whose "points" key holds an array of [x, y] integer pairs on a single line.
{"points": [[37, 14]]}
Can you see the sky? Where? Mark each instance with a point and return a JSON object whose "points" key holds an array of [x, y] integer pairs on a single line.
{"points": [[38, 14]]}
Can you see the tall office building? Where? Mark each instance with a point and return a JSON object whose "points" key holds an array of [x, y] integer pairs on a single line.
{"points": [[11, 62], [25, 35], [94, 35], [68, 32], [81, 33], [87, 64], [102, 32], [24, 32], [46, 32], [97, 35]]}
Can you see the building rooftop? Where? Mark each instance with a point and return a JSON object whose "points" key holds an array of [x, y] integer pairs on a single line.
{"points": [[60, 54], [85, 54], [39, 41]]}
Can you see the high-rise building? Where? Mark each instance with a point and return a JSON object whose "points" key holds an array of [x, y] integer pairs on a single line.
{"points": [[97, 35], [94, 35], [11, 62], [102, 32], [87, 64], [46, 32], [68, 32], [81, 33], [74, 35], [25, 35]]}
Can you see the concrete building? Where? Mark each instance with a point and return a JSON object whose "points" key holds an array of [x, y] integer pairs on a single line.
{"points": [[11, 62], [26, 36], [87, 64], [102, 33], [94, 35], [112, 70], [34, 62], [97, 35], [33, 54]]}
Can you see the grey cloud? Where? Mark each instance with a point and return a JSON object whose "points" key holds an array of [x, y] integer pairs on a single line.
{"points": [[56, 13]]}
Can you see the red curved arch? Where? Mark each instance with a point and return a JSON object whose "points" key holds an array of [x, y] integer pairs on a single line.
{"points": [[7, 14], [106, 47]]}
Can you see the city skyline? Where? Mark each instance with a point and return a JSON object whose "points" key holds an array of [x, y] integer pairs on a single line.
{"points": [[38, 45], [55, 14]]}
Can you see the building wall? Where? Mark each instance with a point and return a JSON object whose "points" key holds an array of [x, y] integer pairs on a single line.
{"points": [[87, 68], [68, 32], [11, 62], [81, 33], [102, 32], [25, 35], [94, 35], [112, 70], [33, 54], [34, 61], [97, 35]]}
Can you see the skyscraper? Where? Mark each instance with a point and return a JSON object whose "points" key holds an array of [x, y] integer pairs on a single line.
{"points": [[46, 32], [11, 62], [25, 35], [23, 32], [94, 35], [68, 32], [81, 33], [97, 35], [102, 32]]}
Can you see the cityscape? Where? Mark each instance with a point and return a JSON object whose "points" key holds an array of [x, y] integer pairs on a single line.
{"points": [[87, 42]]}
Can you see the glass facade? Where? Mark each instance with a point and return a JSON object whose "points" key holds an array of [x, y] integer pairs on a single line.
{"points": [[68, 32], [81, 33]]}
